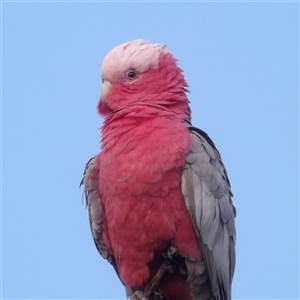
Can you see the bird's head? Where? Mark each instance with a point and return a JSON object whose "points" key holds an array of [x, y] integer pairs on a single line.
{"points": [[138, 72]]}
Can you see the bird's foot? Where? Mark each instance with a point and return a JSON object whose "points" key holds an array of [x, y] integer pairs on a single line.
{"points": [[172, 253], [170, 259], [138, 295]]}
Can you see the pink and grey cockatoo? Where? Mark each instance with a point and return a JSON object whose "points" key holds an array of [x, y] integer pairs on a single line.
{"points": [[158, 192]]}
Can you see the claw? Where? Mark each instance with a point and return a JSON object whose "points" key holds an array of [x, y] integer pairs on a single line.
{"points": [[170, 259], [172, 252]]}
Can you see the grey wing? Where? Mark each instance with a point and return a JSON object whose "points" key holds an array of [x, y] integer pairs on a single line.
{"points": [[207, 194], [95, 209]]}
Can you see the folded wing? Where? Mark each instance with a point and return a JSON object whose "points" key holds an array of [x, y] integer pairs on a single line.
{"points": [[207, 194], [95, 209]]}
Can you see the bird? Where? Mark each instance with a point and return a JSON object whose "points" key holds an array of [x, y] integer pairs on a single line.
{"points": [[158, 195]]}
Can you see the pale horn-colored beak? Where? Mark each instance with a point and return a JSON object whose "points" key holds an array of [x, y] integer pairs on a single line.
{"points": [[106, 85]]}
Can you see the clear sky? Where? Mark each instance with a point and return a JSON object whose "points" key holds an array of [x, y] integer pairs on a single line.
{"points": [[241, 60]]}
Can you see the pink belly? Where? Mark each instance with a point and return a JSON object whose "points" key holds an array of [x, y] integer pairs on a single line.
{"points": [[140, 228]]}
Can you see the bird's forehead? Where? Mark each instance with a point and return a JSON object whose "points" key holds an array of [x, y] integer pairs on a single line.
{"points": [[137, 54]]}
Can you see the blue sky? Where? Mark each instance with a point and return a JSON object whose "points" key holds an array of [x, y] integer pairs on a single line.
{"points": [[241, 60]]}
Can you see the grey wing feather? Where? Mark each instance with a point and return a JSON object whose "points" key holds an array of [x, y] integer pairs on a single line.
{"points": [[95, 209], [207, 194], [90, 183]]}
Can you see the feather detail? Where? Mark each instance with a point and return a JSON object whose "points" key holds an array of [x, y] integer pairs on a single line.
{"points": [[207, 195], [95, 209]]}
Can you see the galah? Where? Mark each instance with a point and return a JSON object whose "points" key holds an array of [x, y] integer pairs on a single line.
{"points": [[158, 194]]}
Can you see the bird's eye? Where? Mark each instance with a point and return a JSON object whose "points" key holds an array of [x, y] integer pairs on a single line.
{"points": [[131, 75]]}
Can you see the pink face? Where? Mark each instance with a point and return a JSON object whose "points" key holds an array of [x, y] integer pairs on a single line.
{"points": [[136, 72]]}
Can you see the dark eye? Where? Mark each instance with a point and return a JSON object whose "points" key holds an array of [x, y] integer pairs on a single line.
{"points": [[131, 75]]}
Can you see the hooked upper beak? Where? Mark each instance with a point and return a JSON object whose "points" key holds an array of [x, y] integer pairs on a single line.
{"points": [[106, 85], [103, 107]]}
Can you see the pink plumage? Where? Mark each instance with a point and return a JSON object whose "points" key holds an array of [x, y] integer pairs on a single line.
{"points": [[146, 191]]}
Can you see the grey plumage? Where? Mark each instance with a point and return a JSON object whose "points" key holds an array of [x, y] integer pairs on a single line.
{"points": [[95, 209], [207, 194]]}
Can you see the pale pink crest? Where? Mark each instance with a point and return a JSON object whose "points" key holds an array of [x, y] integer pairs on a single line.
{"points": [[137, 54]]}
